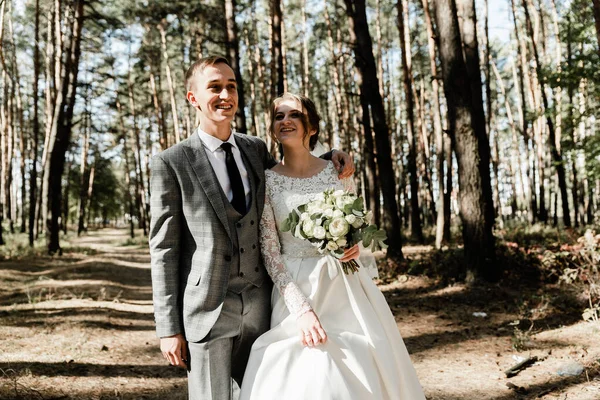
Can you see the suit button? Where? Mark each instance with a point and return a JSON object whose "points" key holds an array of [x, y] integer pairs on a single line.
{"points": [[228, 258], [241, 274], [239, 225], [256, 269], [252, 222], [253, 246], [242, 250]]}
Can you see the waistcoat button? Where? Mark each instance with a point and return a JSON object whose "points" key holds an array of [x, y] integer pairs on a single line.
{"points": [[227, 258]]}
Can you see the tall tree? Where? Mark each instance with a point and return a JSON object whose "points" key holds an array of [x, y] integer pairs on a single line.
{"points": [[469, 143], [36, 126], [62, 122], [233, 53], [554, 141], [415, 214], [367, 80]]}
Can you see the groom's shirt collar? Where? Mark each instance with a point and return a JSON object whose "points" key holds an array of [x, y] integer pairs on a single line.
{"points": [[212, 143]]}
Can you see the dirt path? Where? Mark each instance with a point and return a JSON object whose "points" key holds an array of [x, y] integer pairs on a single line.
{"points": [[80, 326]]}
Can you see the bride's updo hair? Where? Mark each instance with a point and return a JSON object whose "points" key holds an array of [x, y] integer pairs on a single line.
{"points": [[310, 116]]}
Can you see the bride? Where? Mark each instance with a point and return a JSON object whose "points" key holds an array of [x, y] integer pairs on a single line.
{"points": [[332, 335]]}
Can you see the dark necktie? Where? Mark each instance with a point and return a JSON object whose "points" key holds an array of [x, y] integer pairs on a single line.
{"points": [[237, 187]]}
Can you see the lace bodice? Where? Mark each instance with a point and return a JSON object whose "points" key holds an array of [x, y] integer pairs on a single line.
{"points": [[283, 194]]}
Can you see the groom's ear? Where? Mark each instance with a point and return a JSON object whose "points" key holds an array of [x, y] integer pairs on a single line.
{"points": [[192, 99]]}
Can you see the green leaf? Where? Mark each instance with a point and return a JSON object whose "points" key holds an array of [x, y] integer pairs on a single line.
{"points": [[286, 225]]}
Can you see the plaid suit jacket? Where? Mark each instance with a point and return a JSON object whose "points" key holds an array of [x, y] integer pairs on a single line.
{"points": [[190, 241]]}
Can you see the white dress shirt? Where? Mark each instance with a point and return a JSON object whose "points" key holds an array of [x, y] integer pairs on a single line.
{"points": [[216, 156]]}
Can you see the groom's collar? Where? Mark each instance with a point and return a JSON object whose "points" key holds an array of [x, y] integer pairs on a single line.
{"points": [[212, 143]]}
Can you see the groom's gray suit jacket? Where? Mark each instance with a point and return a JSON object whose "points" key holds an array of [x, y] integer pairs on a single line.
{"points": [[192, 246]]}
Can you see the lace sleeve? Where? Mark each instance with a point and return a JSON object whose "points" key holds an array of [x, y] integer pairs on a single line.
{"points": [[294, 299], [349, 184]]}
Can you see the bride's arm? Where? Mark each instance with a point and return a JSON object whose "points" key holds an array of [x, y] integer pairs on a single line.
{"points": [[294, 299]]}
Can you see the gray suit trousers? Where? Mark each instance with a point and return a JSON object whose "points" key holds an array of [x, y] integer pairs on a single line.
{"points": [[217, 363]]}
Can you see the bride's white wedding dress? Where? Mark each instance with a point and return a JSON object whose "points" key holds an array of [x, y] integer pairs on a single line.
{"points": [[364, 356]]}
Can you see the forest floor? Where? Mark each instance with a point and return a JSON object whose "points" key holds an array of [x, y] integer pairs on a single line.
{"points": [[80, 326]]}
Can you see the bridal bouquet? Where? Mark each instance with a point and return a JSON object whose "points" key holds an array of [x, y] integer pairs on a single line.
{"points": [[334, 221]]}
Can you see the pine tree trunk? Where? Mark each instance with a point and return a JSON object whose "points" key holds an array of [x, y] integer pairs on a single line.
{"points": [[65, 199], [470, 142], [141, 190], [170, 81], [128, 196], [415, 217], [36, 127], [277, 62], [437, 129], [571, 125], [515, 141], [367, 79], [305, 60], [597, 20], [62, 124], [519, 77], [371, 163], [337, 87], [234, 58], [81, 215], [552, 138]]}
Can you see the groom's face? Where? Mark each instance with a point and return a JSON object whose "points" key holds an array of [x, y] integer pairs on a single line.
{"points": [[214, 93]]}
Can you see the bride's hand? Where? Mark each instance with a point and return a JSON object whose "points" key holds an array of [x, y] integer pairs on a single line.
{"points": [[311, 331], [351, 254]]}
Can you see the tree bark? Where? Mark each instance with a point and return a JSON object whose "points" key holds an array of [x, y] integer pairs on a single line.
{"points": [[415, 217], [141, 190], [170, 81], [277, 62], [367, 80], [36, 127], [62, 125], [597, 20], [83, 170], [471, 146], [234, 58], [554, 142], [440, 238]]}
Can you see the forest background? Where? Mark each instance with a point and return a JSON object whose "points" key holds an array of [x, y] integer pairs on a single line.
{"points": [[481, 151]]}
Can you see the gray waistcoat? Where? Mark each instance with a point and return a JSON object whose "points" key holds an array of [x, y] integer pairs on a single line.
{"points": [[246, 264]]}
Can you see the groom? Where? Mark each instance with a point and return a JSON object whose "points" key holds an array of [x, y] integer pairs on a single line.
{"points": [[211, 292]]}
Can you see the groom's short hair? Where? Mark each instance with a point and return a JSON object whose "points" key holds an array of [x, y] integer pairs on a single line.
{"points": [[199, 66]]}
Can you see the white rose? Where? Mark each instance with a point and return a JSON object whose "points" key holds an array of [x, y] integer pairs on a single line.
{"points": [[351, 219], [331, 246], [308, 227], [338, 193], [337, 214], [338, 227], [304, 216], [315, 206], [341, 242], [319, 232], [319, 197], [328, 213]]}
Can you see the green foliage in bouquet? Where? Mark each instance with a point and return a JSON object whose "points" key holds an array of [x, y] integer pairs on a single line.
{"points": [[335, 221]]}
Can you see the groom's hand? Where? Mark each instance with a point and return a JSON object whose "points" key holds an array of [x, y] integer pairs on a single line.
{"points": [[343, 163], [174, 350]]}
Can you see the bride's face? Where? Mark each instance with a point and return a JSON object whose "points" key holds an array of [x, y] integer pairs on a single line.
{"points": [[288, 124]]}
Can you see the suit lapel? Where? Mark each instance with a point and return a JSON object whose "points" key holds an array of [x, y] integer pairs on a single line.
{"points": [[196, 155], [255, 168]]}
